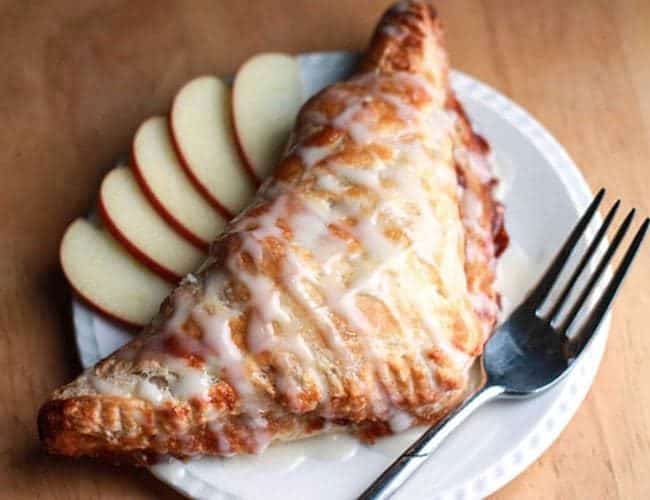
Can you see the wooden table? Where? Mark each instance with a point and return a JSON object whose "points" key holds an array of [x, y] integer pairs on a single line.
{"points": [[78, 77]]}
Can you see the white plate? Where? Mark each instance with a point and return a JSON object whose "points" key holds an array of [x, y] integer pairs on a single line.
{"points": [[544, 193]]}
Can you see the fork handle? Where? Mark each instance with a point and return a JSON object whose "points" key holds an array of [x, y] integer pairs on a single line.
{"points": [[416, 454]]}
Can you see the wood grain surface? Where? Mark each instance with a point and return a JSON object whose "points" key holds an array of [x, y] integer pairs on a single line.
{"points": [[77, 78]]}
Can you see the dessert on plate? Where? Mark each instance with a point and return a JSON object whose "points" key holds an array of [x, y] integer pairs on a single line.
{"points": [[353, 294]]}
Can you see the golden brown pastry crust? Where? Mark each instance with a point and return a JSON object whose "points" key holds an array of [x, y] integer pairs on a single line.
{"points": [[355, 291]]}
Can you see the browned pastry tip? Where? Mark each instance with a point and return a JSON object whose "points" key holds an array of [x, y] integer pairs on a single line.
{"points": [[408, 33]]}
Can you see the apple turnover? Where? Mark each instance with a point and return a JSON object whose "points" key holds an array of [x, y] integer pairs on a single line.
{"points": [[353, 294]]}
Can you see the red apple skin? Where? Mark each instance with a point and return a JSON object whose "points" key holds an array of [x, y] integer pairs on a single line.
{"points": [[163, 272], [197, 183], [132, 328], [123, 323], [240, 150], [168, 216]]}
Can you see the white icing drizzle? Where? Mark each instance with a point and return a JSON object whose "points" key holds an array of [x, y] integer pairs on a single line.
{"points": [[149, 391], [314, 154], [216, 426], [393, 30], [477, 164], [109, 387], [483, 304], [191, 384], [330, 183], [368, 178], [400, 421], [228, 357], [352, 120]]}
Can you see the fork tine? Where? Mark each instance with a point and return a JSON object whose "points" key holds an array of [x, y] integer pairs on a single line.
{"points": [[539, 293], [600, 269], [583, 261], [586, 332]]}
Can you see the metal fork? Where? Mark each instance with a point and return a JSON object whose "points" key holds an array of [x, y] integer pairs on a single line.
{"points": [[531, 351]]}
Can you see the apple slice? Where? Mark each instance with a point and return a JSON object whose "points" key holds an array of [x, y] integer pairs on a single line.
{"points": [[132, 220], [161, 177], [267, 95], [108, 278], [204, 138]]}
